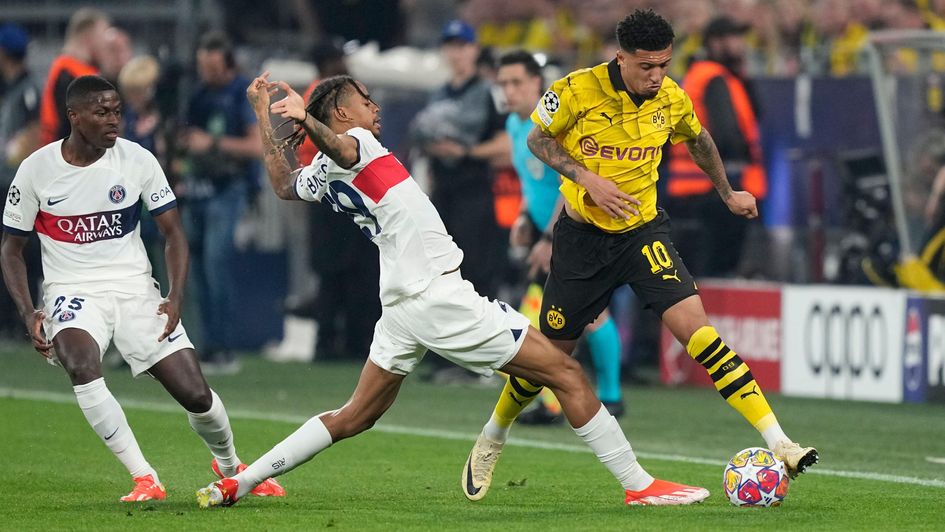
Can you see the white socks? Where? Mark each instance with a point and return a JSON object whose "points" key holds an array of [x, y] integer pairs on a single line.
{"points": [[496, 432], [310, 439], [108, 421], [604, 436], [214, 427], [773, 435]]}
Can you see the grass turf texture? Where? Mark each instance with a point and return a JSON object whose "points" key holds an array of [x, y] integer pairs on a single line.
{"points": [[404, 474]]}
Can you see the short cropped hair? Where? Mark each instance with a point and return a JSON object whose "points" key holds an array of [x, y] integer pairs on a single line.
{"points": [[83, 86], [524, 58], [84, 20], [644, 30]]}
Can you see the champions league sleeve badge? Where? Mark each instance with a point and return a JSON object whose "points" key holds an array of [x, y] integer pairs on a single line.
{"points": [[548, 106], [13, 196], [550, 102], [116, 194]]}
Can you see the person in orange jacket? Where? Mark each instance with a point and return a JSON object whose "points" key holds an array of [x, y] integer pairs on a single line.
{"points": [[705, 233]]}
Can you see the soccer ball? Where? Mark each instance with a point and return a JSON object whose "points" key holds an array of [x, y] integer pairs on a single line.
{"points": [[755, 477]]}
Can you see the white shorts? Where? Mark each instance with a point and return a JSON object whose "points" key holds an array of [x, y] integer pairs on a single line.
{"points": [[129, 320], [450, 318]]}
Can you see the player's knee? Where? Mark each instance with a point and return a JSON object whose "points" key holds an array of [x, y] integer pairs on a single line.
{"points": [[197, 400], [84, 372], [201, 401]]}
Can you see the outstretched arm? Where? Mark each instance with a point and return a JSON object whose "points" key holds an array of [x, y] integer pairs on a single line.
{"points": [[281, 176], [342, 149], [604, 192], [706, 156]]}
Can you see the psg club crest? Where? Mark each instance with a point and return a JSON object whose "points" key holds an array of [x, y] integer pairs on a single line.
{"points": [[116, 194], [66, 315]]}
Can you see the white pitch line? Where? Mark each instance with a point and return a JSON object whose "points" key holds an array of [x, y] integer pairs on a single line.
{"points": [[935, 459], [58, 397]]}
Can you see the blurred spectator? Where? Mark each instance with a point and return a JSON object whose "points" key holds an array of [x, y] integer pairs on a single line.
{"points": [[223, 147], [783, 24], [594, 27], [19, 112], [142, 123], [19, 137], [933, 11], [141, 118], [834, 42], [689, 18], [116, 52], [81, 53], [504, 25], [704, 230], [463, 134]]}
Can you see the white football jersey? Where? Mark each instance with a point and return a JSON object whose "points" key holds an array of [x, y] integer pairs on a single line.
{"points": [[87, 217], [391, 210]]}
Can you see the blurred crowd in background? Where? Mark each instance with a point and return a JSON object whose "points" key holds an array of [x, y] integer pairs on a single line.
{"points": [[182, 67]]}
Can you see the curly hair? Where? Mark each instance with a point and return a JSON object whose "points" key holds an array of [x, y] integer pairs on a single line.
{"points": [[322, 102], [644, 30]]}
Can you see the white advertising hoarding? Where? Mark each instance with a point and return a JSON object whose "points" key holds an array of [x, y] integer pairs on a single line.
{"points": [[843, 342]]}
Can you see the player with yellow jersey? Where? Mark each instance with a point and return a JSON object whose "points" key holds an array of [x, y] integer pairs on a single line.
{"points": [[603, 129]]}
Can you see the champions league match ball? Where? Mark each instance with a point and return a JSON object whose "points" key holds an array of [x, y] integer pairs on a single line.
{"points": [[755, 477]]}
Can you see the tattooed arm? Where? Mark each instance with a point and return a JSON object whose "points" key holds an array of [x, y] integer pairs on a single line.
{"points": [[343, 149], [281, 176], [706, 156], [603, 192]]}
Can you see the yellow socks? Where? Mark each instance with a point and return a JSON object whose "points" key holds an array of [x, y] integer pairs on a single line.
{"points": [[732, 377], [516, 395]]}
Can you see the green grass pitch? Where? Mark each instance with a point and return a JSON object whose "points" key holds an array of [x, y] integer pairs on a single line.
{"points": [[878, 467]]}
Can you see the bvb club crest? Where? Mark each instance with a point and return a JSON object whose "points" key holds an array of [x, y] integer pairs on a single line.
{"points": [[659, 119], [555, 318], [116, 194]]}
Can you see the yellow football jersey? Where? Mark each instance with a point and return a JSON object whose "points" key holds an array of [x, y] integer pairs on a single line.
{"points": [[591, 115]]}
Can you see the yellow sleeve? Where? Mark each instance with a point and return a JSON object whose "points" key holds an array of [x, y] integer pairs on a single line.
{"points": [[555, 113], [688, 126]]}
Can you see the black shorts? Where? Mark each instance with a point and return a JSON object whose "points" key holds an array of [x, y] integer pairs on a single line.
{"points": [[588, 264]]}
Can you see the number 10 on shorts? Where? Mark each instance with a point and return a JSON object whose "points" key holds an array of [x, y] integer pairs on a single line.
{"points": [[657, 256]]}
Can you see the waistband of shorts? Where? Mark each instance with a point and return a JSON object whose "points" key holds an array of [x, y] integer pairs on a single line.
{"points": [[593, 229]]}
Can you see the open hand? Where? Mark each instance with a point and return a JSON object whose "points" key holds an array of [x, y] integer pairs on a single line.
{"points": [[292, 106], [608, 197]]}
